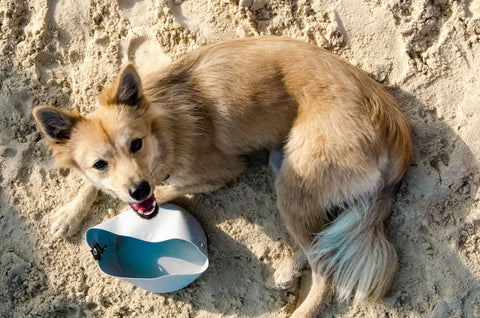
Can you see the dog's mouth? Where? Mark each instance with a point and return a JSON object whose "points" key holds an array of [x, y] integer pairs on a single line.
{"points": [[147, 208]]}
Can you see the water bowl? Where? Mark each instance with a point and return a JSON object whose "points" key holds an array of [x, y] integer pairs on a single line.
{"points": [[161, 255]]}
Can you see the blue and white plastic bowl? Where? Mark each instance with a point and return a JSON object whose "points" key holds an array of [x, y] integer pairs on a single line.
{"points": [[161, 255]]}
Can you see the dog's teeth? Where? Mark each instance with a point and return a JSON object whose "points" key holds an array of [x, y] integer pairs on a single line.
{"points": [[151, 210]]}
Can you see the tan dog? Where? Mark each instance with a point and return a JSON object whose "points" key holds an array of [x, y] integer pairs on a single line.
{"points": [[184, 129]]}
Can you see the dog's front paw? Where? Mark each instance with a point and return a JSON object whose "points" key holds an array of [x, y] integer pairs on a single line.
{"points": [[66, 221]]}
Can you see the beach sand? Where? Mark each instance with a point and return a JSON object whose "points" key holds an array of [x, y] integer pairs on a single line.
{"points": [[427, 54]]}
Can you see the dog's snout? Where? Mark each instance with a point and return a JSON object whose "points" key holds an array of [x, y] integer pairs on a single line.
{"points": [[139, 191]]}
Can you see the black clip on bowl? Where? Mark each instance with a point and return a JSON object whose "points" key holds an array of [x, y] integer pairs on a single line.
{"points": [[97, 251]]}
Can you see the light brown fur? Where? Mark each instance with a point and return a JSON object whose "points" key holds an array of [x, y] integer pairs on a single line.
{"points": [[346, 147]]}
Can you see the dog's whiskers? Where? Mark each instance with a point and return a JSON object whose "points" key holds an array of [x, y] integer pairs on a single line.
{"points": [[155, 166]]}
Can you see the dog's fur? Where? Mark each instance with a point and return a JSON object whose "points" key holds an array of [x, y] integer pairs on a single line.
{"points": [[345, 141]]}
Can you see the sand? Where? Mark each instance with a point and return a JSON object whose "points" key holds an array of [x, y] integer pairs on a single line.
{"points": [[427, 53]]}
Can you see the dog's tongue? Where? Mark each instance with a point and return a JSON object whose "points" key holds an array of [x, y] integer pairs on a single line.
{"points": [[146, 207]]}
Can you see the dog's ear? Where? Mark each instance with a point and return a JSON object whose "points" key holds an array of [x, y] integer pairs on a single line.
{"points": [[129, 90], [56, 124], [126, 90]]}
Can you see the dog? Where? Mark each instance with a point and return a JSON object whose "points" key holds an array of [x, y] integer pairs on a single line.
{"points": [[341, 142]]}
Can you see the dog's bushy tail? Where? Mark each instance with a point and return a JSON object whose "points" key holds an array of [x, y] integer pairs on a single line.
{"points": [[354, 251]]}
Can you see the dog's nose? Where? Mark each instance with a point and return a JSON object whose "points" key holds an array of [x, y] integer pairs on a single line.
{"points": [[139, 191]]}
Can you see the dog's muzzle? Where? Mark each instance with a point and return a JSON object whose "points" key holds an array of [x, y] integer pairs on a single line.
{"points": [[147, 206]]}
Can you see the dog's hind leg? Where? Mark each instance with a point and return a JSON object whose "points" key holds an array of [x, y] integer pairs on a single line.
{"points": [[289, 270], [351, 252], [311, 305], [299, 211]]}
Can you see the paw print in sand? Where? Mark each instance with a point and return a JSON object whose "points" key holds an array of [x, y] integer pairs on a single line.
{"points": [[252, 5]]}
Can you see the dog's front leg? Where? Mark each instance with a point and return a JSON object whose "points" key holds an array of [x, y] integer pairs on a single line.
{"points": [[202, 178], [169, 192], [67, 220]]}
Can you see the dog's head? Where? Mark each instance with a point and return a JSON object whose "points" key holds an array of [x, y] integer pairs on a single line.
{"points": [[113, 147]]}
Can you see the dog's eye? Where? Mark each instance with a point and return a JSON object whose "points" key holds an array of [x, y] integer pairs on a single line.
{"points": [[100, 165], [136, 145]]}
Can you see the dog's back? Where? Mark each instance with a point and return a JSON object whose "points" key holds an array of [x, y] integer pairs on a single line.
{"points": [[253, 90]]}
